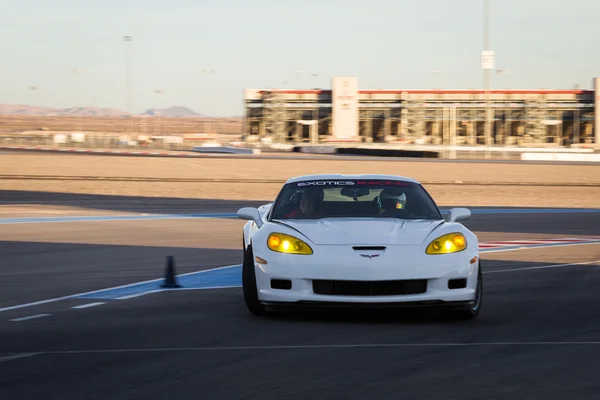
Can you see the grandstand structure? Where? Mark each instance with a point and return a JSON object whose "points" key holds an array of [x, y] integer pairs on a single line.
{"points": [[437, 117]]}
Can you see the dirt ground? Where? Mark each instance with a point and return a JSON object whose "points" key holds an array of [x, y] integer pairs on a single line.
{"points": [[477, 184]]}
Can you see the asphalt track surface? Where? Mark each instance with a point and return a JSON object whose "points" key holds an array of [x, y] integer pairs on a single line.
{"points": [[538, 335]]}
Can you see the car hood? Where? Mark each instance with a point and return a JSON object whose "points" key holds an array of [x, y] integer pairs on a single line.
{"points": [[370, 232]]}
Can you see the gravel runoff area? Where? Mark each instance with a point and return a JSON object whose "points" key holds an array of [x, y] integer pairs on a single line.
{"points": [[460, 183]]}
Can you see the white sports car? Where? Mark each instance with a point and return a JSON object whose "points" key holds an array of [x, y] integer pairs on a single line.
{"points": [[356, 240]]}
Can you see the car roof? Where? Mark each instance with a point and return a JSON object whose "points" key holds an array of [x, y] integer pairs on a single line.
{"points": [[350, 177]]}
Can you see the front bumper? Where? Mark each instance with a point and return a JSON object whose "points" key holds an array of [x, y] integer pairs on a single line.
{"points": [[339, 277], [304, 305]]}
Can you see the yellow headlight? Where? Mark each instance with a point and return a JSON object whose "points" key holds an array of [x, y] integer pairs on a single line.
{"points": [[287, 244], [451, 243]]}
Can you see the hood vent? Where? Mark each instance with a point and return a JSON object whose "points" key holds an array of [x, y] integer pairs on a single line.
{"points": [[368, 248]]}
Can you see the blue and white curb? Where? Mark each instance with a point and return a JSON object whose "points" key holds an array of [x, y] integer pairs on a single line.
{"points": [[230, 276]]}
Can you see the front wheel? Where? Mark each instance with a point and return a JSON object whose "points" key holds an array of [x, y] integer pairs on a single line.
{"points": [[472, 310], [249, 285]]}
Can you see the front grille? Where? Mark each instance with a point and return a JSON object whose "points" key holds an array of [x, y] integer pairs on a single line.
{"points": [[369, 288]]}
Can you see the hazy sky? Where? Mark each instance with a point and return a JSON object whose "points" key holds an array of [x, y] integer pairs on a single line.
{"points": [[261, 43]]}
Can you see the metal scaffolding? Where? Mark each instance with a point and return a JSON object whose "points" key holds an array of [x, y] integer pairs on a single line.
{"points": [[274, 114], [542, 117], [536, 113], [415, 119]]}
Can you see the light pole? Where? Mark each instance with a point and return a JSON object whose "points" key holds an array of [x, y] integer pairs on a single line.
{"points": [[316, 112], [437, 72], [507, 114], [34, 88], [76, 72], [157, 127], [436, 127], [487, 64], [207, 72], [299, 74], [128, 39]]}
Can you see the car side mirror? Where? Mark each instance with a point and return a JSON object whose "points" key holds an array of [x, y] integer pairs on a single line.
{"points": [[250, 214], [459, 214]]}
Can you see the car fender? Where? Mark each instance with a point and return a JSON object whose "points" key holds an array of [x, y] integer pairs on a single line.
{"points": [[247, 233], [250, 227]]}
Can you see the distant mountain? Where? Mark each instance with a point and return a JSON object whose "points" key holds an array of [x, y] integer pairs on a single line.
{"points": [[18, 109], [25, 110], [173, 112], [88, 112]]}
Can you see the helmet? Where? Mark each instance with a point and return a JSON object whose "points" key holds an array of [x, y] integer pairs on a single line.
{"points": [[316, 193], [392, 198]]}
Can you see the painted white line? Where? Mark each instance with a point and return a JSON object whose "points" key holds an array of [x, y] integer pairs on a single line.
{"points": [[202, 288], [550, 246], [131, 296], [35, 303], [30, 317], [322, 346], [17, 356], [89, 305], [541, 267]]}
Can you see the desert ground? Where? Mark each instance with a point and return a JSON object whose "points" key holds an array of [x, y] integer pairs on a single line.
{"points": [[451, 183]]}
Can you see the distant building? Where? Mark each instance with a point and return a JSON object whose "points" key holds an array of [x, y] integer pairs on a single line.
{"points": [[345, 113]]}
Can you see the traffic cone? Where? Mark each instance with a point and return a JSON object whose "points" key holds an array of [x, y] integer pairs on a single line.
{"points": [[170, 278]]}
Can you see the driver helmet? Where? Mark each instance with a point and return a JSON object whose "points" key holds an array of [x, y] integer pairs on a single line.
{"points": [[392, 198], [316, 193]]}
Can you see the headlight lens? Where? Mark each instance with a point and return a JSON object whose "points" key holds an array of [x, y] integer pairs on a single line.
{"points": [[451, 243], [287, 244]]}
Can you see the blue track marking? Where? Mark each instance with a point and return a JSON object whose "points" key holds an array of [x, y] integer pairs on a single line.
{"points": [[99, 218], [215, 278]]}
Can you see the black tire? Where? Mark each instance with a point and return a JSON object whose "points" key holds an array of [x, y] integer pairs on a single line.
{"points": [[472, 310], [249, 285]]}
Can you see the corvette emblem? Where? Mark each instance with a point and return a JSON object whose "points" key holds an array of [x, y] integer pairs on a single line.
{"points": [[369, 255]]}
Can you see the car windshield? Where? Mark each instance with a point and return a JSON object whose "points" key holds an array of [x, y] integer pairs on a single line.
{"points": [[354, 199]]}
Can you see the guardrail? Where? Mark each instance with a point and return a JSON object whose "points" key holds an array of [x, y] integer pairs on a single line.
{"points": [[233, 144]]}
